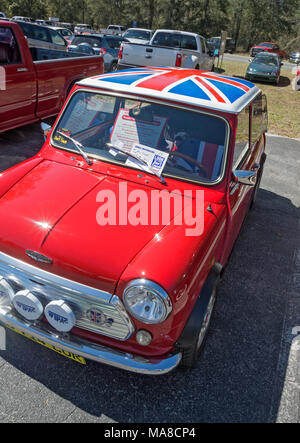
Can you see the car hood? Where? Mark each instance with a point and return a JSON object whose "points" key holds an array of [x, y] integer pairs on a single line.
{"points": [[263, 68], [53, 210]]}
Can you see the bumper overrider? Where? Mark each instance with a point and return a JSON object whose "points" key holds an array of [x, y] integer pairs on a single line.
{"points": [[66, 343]]}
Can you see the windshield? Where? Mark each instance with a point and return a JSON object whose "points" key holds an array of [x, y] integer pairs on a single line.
{"points": [[93, 41], [177, 143], [114, 42], [141, 35], [267, 45], [266, 60]]}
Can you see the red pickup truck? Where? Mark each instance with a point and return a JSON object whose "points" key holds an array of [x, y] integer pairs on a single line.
{"points": [[267, 47], [34, 83]]}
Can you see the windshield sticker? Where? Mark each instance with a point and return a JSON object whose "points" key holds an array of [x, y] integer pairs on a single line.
{"points": [[59, 138], [154, 158], [131, 131]]}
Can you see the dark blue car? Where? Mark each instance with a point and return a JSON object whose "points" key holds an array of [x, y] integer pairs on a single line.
{"points": [[108, 45]]}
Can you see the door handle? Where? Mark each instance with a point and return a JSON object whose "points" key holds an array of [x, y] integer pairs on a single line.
{"points": [[22, 70], [148, 56]]}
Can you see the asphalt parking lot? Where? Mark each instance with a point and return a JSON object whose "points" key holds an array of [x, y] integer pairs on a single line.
{"points": [[249, 370]]}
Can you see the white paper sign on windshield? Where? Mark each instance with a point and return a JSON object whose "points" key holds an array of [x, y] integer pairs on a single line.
{"points": [[131, 131], [154, 158]]}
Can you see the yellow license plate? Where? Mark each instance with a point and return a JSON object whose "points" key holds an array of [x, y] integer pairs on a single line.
{"points": [[67, 354]]}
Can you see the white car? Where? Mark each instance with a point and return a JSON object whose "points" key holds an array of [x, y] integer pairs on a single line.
{"points": [[138, 35]]}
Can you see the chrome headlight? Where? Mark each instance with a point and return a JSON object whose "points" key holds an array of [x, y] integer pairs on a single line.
{"points": [[147, 301]]}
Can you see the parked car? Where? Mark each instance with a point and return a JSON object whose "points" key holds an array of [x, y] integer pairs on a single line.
{"points": [[37, 80], [106, 45], [84, 270], [168, 48], [267, 47], [114, 30], [41, 22], [229, 47], [294, 57], [39, 36], [2, 15], [138, 35], [67, 25], [65, 33], [83, 28], [264, 67], [22, 19]]}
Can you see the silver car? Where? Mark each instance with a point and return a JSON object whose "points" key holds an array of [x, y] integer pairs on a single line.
{"points": [[42, 37]]}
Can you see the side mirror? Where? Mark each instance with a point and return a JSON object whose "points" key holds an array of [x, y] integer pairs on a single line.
{"points": [[46, 129], [243, 177]]}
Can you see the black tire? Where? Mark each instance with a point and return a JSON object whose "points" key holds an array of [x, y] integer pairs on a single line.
{"points": [[191, 354]]}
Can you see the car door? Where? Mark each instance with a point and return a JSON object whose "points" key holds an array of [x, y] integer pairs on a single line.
{"points": [[247, 152], [18, 85]]}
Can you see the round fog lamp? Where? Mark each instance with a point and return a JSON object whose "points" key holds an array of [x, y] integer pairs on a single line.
{"points": [[28, 305], [143, 338], [6, 291]]}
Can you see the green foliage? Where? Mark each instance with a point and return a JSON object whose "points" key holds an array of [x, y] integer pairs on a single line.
{"points": [[246, 21]]}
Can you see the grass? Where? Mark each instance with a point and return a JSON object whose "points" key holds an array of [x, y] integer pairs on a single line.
{"points": [[283, 102]]}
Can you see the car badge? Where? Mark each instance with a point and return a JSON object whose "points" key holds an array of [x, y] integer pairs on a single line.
{"points": [[38, 257], [96, 316]]}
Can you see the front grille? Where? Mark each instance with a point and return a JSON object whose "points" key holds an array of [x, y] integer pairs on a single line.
{"points": [[85, 301]]}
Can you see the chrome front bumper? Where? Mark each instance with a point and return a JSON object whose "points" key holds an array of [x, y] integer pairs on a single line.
{"points": [[74, 345]]}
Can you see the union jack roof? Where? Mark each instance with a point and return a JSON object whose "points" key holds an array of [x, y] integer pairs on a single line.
{"points": [[207, 89]]}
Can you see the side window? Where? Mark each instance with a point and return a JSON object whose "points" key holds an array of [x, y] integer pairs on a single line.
{"points": [[242, 137], [40, 33], [9, 50], [257, 117], [56, 38]]}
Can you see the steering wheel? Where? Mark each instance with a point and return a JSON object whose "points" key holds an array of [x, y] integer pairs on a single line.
{"points": [[190, 160]]}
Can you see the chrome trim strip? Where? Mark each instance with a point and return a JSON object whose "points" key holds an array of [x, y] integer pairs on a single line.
{"points": [[48, 286], [91, 351]]}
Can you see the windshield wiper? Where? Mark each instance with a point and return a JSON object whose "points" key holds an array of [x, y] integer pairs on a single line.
{"points": [[78, 145], [142, 162]]}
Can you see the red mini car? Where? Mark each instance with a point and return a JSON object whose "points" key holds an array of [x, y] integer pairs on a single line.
{"points": [[267, 47], [115, 236]]}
